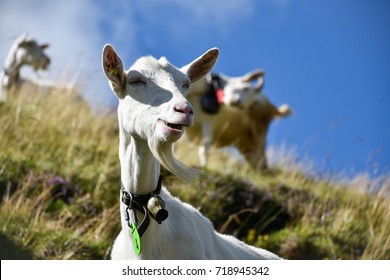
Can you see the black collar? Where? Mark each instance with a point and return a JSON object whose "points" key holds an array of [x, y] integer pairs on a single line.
{"points": [[139, 203], [142, 199], [210, 100]]}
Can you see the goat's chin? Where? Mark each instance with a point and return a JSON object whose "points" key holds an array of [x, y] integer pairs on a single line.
{"points": [[162, 150]]}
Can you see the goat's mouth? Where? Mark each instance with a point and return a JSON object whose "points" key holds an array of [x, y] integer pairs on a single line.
{"points": [[174, 126], [43, 67], [175, 129]]}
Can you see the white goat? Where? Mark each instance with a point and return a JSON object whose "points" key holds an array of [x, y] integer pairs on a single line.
{"points": [[152, 113], [24, 51], [241, 118]]}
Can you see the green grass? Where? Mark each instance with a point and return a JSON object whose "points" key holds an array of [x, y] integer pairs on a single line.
{"points": [[59, 189]]}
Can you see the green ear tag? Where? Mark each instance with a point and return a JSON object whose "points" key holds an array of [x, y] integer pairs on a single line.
{"points": [[136, 238]]}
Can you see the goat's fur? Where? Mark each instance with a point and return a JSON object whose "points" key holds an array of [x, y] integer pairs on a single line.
{"points": [[24, 51], [152, 111], [242, 120]]}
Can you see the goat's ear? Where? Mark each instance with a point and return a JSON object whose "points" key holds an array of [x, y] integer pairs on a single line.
{"points": [[198, 68], [255, 75], [260, 84], [44, 46], [113, 68], [22, 38]]}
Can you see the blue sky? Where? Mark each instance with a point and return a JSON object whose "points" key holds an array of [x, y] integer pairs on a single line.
{"points": [[329, 60]]}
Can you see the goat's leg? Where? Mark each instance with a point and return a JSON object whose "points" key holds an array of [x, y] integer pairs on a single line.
{"points": [[203, 155], [256, 156], [3, 94], [207, 131]]}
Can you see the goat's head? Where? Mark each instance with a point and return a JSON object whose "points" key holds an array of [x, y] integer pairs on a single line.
{"points": [[27, 51], [152, 98], [241, 91]]}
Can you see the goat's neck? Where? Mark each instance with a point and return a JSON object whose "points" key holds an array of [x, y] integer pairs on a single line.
{"points": [[12, 70], [140, 170]]}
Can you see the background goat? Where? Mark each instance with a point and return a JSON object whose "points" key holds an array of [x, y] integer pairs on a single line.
{"points": [[152, 114], [242, 118], [24, 51]]}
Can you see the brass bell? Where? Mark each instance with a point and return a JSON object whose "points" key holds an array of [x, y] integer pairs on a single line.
{"points": [[156, 207]]}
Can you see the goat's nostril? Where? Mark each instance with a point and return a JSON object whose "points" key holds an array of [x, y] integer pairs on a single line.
{"points": [[178, 109], [186, 109]]}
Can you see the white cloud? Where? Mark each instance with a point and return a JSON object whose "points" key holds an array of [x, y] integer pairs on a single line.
{"points": [[77, 30]]}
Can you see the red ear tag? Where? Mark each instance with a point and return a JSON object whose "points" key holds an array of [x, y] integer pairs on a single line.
{"points": [[219, 94]]}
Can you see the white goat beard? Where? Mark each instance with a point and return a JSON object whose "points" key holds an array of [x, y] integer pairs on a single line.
{"points": [[163, 152]]}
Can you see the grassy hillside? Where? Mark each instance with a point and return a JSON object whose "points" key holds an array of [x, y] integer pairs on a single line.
{"points": [[59, 190]]}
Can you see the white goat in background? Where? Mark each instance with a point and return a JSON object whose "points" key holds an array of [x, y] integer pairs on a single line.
{"points": [[232, 111], [24, 51], [152, 114]]}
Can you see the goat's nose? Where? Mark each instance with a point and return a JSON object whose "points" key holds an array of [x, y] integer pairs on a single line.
{"points": [[236, 101], [185, 108]]}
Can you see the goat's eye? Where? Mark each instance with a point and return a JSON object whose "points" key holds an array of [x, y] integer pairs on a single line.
{"points": [[186, 85], [136, 81]]}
